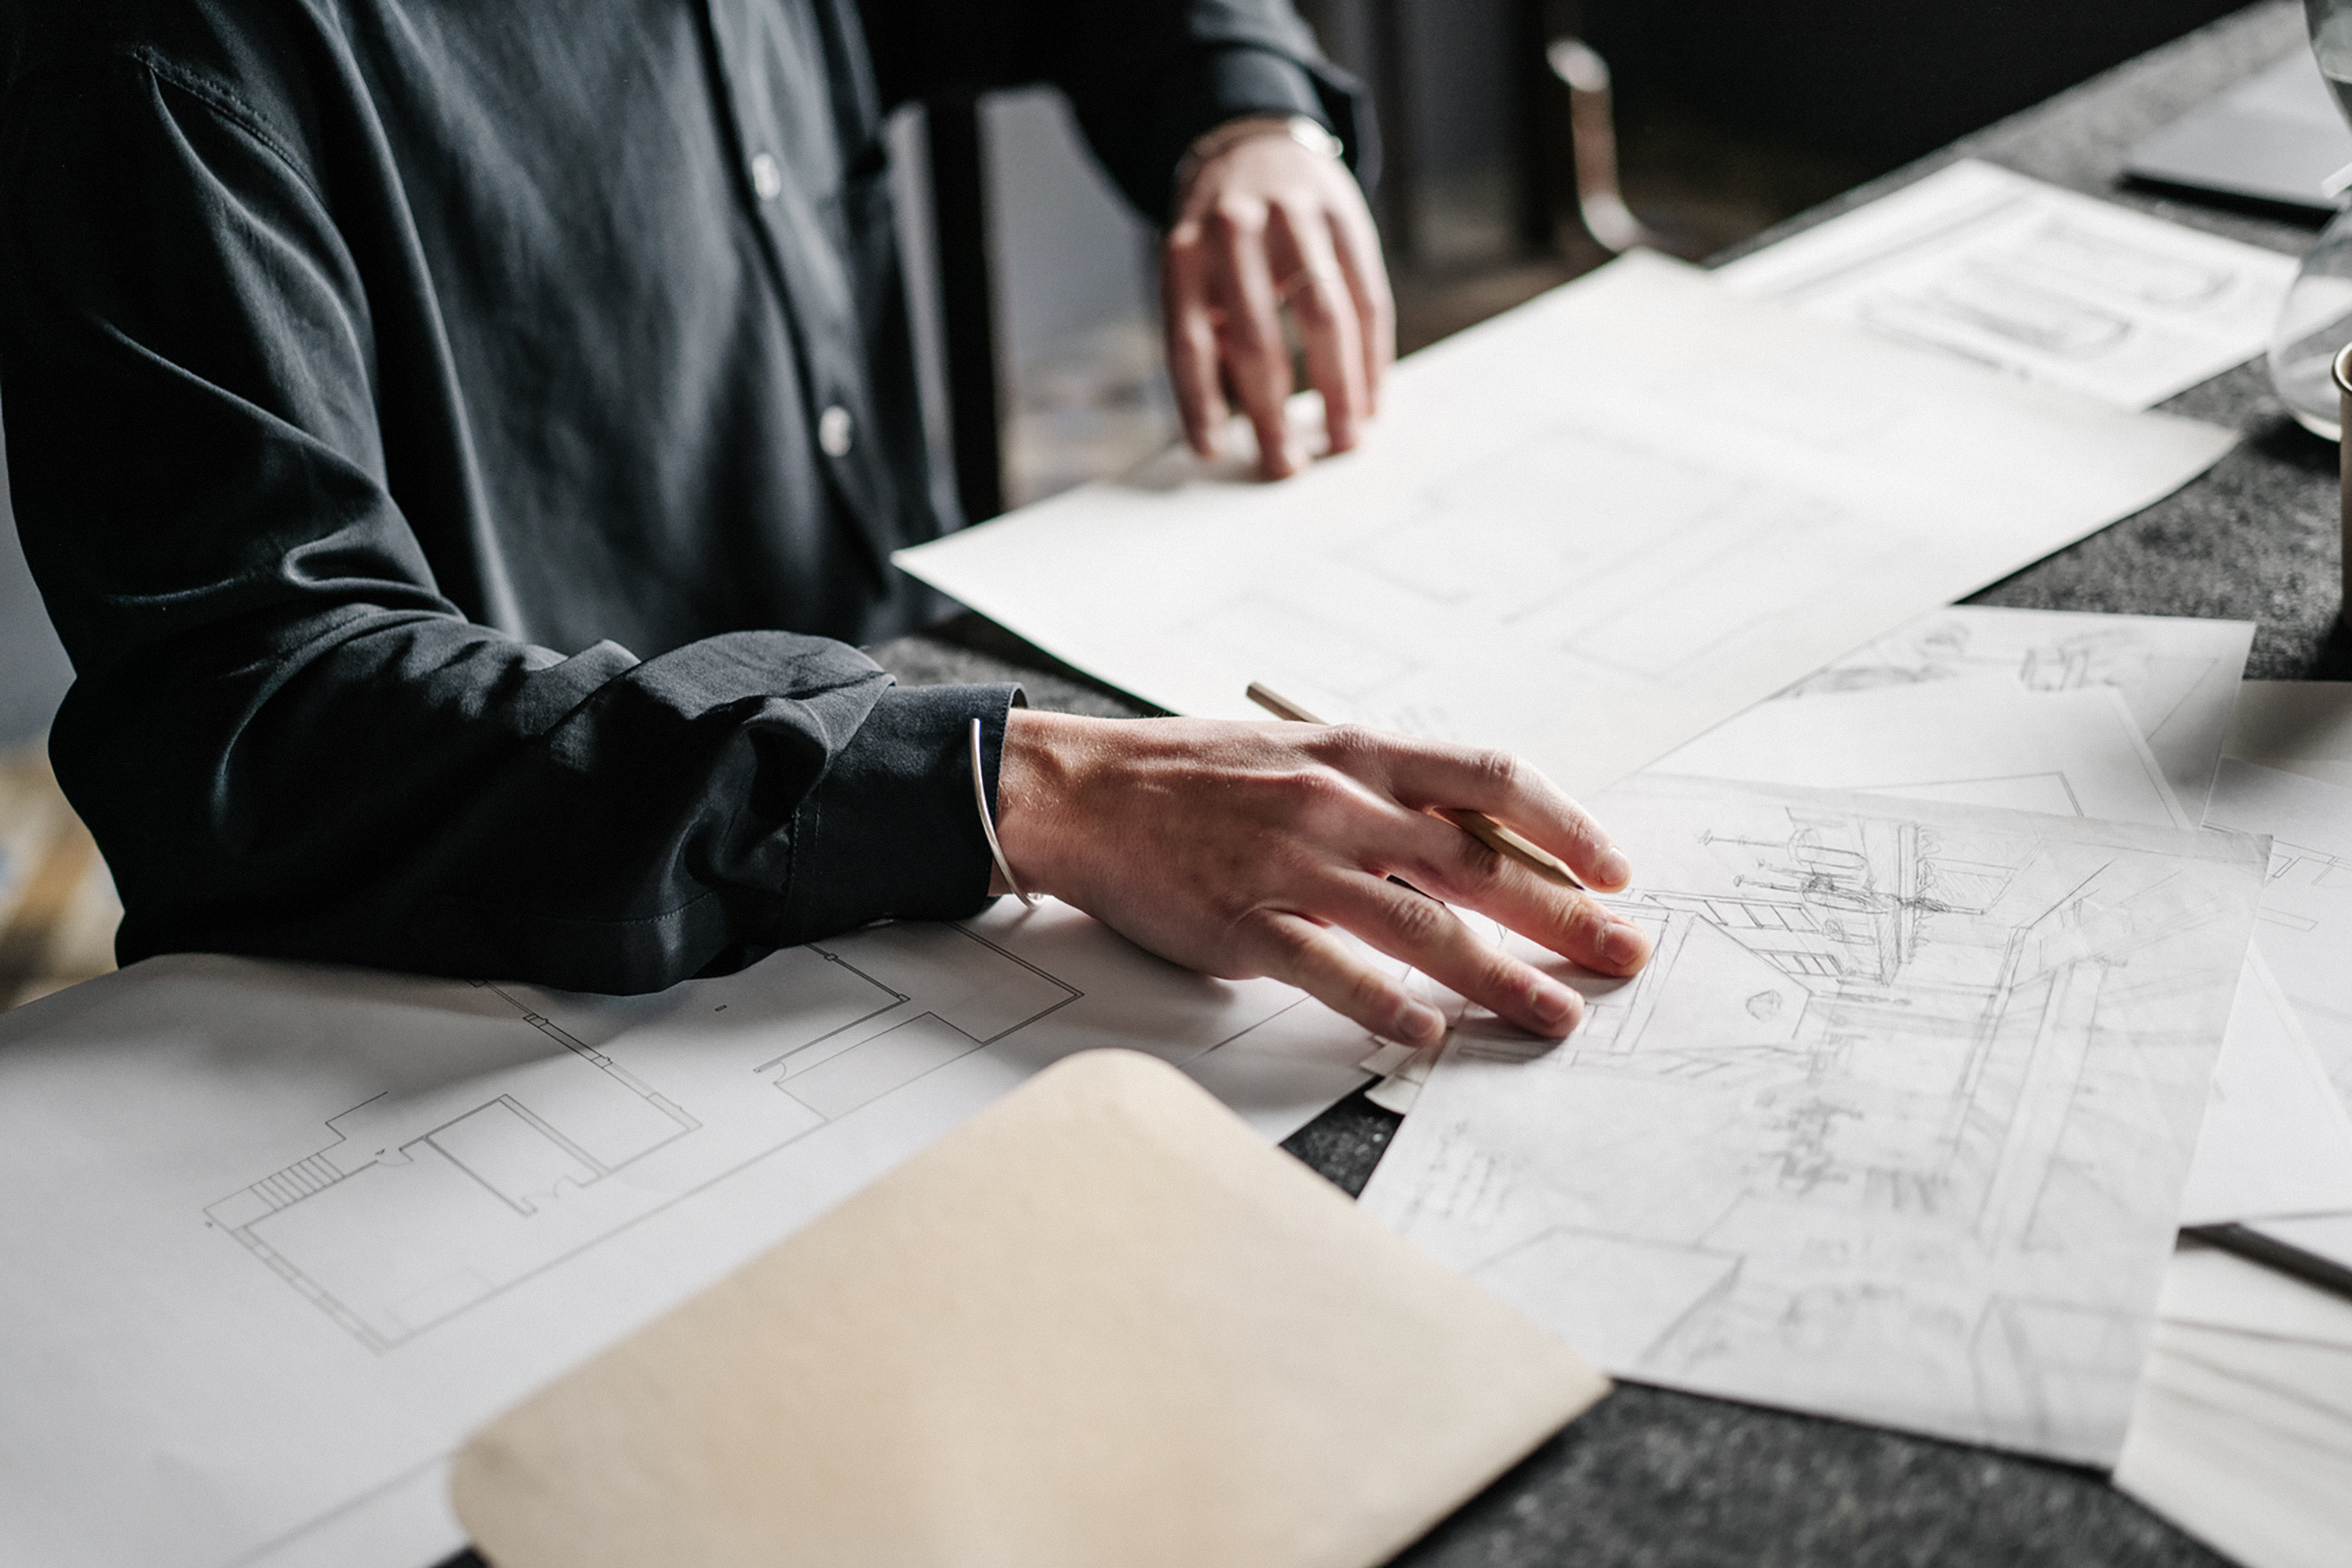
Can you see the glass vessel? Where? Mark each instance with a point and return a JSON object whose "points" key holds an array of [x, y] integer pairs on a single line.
{"points": [[2316, 319]]}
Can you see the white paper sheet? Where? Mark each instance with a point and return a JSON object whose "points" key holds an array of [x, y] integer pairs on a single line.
{"points": [[1893, 1128], [2306, 934], [2179, 677], [2058, 287], [279, 1237], [2306, 921], [2206, 1287], [2275, 1139], [2295, 727], [1587, 531], [2242, 1431], [2075, 754]]}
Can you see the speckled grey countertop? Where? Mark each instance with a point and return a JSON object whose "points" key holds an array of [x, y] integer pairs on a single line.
{"points": [[1653, 1478]]}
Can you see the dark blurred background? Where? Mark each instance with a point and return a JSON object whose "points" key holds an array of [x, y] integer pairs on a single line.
{"points": [[1731, 116]]}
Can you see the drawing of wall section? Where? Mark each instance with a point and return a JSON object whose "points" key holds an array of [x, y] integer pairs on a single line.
{"points": [[975, 993], [391, 1227], [417, 1210]]}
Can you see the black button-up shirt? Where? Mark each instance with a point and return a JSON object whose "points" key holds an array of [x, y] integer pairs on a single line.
{"points": [[445, 434]]}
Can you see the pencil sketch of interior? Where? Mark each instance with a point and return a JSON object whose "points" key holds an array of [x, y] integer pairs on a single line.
{"points": [[1908, 1092], [2177, 676], [421, 1207]]}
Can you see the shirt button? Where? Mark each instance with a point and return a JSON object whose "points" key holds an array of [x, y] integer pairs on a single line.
{"points": [[834, 431], [767, 176]]}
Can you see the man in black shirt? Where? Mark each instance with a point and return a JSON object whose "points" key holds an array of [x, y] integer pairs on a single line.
{"points": [[421, 414]]}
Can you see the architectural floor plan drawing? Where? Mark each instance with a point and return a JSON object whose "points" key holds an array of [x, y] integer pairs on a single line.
{"points": [[1588, 531], [2179, 676], [1891, 1128], [283, 1235], [1993, 267], [1695, 559], [420, 1207]]}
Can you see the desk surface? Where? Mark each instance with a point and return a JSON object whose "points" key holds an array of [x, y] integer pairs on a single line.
{"points": [[1654, 1477]]}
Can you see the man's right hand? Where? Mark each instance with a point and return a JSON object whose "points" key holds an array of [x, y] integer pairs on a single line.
{"points": [[1235, 848]]}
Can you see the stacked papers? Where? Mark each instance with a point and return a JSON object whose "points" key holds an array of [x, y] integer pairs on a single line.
{"points": [[1893, 1127], [2242, 1432], [1760, 1201]]}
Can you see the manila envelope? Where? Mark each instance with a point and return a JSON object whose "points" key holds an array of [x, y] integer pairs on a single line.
{"points": [[1101, 1324]]}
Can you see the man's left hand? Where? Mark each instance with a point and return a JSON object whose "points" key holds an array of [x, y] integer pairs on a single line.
{"points": [[1268, 222]]}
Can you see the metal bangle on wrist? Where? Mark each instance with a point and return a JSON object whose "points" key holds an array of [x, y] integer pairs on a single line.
{"points": [[1219, 140], [988, 821]]}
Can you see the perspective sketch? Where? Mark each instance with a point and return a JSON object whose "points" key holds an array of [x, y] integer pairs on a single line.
{"points": [[416, 1209], [2179, 676], [1891, 1128], [1988, 266]]}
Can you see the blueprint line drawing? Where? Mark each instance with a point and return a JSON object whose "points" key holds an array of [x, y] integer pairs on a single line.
{"points": [[1893, 1127], [1630, 561], [295, 1230], [414, 1212], [1988, 266]]}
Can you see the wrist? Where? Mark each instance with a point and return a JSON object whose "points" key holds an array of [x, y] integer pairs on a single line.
{"points": [[1042, 756], [1220, 139]]}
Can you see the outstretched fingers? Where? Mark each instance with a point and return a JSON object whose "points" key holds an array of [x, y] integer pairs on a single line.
{"points": [[1249, 335], [1433, 854], [1328, 326], [1192, 361], [1357, 246], [1432, 939], [1430, 775], [1302, 952]]}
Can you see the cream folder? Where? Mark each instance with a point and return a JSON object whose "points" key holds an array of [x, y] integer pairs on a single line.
{"points": [[1102, 1323]]}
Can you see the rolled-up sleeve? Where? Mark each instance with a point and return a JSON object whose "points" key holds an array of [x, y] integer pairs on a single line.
{"points": [[286, 739]]}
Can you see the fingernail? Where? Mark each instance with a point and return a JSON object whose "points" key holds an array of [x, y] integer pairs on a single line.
{"points": [[1613, 869], [1423, 1024], [1624, 944], [1553, 1003]]}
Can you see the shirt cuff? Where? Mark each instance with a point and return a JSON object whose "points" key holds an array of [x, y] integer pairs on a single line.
{"points": [[892, 830], [1239, 80], [1242, 80]]}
